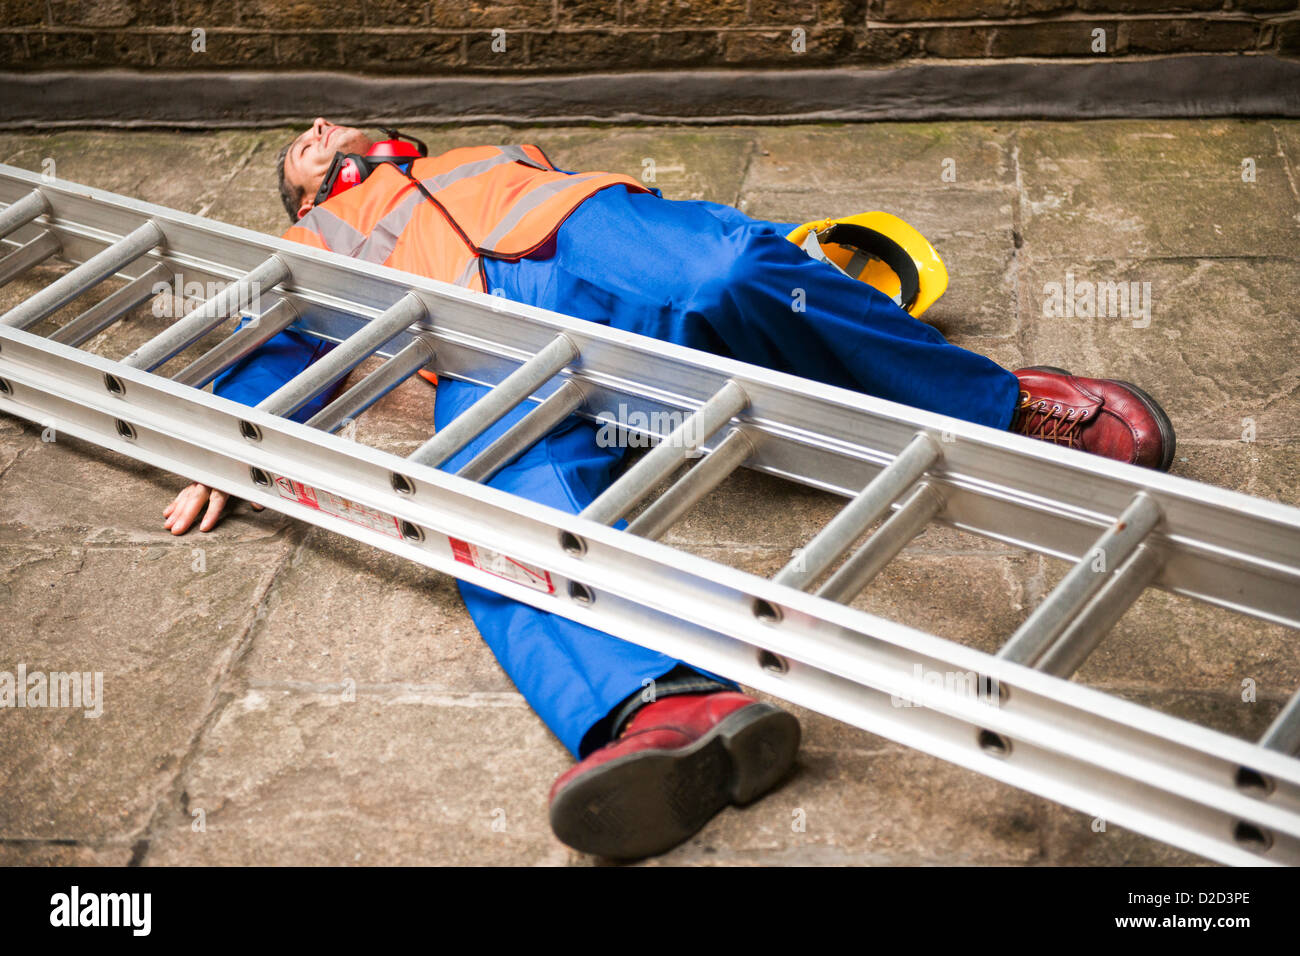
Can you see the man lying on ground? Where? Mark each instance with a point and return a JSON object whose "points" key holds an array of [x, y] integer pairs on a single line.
{"points": [[654, 767]]}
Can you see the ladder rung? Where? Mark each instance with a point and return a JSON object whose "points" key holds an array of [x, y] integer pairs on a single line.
{"points": [[344, 357], [415, 356], [90, 273], [202, 320], [882, 547], [558, 406], [22, 211], [29, 254], [620, 497], [1055, 614], [860, 513], [103, 314], [257, 332], [1283, 734], [508, 393], [691, 488], [1068, 652]]}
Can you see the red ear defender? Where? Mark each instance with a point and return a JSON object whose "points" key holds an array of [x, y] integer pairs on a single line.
{"points": [[397, 146], [350, 169], [349, 175]]}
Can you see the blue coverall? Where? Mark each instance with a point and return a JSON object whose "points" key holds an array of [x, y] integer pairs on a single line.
{"points": [[698, 274]]}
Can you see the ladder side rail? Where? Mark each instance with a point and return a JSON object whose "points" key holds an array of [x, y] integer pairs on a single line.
{"points": [[1183, 773], [1225, 548]]}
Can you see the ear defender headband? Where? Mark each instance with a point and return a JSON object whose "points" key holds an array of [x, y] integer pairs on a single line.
{"points": [[352, 169]]}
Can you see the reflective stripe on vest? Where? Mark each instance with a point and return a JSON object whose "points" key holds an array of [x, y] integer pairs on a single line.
{"points": [[337, 235], [468, 274], [503, 200], [379, 246], [528, 203]]}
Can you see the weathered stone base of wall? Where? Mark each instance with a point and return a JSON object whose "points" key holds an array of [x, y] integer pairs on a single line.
{"points": [[1190, 86]]}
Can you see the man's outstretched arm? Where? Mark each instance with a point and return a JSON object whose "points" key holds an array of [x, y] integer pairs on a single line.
{"points": [[248, 381]]}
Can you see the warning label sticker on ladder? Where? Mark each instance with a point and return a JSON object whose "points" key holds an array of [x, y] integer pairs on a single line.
{"points": [[503, 566], [332, 504]]}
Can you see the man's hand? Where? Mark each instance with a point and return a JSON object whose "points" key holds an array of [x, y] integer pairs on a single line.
{"points": [[180, 514]]}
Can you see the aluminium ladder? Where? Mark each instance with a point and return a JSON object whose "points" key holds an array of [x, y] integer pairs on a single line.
{"points": [[1123, 528]]}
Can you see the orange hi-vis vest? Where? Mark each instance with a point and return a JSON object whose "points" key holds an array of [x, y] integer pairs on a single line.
{"points": [[499, 201]]}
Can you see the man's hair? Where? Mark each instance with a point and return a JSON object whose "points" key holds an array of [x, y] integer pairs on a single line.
{"points": [[291, 196]]}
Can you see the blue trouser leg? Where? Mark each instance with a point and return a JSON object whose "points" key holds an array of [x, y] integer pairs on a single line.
{"points": [[571, 674], [710, 277]]}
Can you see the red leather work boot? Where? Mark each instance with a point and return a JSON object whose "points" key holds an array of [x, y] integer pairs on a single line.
{"points": [[1099, 415], [677, 763]]}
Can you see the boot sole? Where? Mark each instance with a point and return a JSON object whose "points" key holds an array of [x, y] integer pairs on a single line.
{"points": [[1168, 441], [646, 803]]}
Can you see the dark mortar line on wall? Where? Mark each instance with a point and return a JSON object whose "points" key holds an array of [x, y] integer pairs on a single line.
{"points": [[1204, 85]]}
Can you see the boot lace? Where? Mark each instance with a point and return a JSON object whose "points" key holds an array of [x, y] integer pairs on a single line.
{"points": [[1046, 420]]}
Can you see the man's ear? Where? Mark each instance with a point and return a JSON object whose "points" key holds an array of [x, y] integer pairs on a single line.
{"points": [[304, 207]]}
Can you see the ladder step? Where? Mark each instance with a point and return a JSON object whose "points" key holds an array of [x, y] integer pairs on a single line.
{"points": [[1110, 551], [29, 254], [509, 392], [344, 357], [103, 314], [691, 488], [860, 513], [256, 333], [415, 356], [224, 305], [1068, 652], [893, 536], [85, 276], [22, 211], [1283, 734], [558, 406], [620, 497]]}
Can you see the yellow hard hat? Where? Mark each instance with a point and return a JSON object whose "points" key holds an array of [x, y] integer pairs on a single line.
{"points": [[882, 251]]}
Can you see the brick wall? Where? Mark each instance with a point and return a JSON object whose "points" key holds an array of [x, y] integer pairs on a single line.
{"points": [[543, 36]]}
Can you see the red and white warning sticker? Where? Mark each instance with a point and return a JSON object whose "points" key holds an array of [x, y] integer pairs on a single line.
{"points": [[503, 566], [332, 504]]}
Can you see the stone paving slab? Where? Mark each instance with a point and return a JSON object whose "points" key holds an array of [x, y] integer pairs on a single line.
{"points": [[342, 612], [1211, 343], [41, 853], [419, 774], [159, 632], [1147, 189], [321, 703]]}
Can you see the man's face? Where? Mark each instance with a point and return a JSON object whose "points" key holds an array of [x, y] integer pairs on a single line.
{"points": [[310, 155]]}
